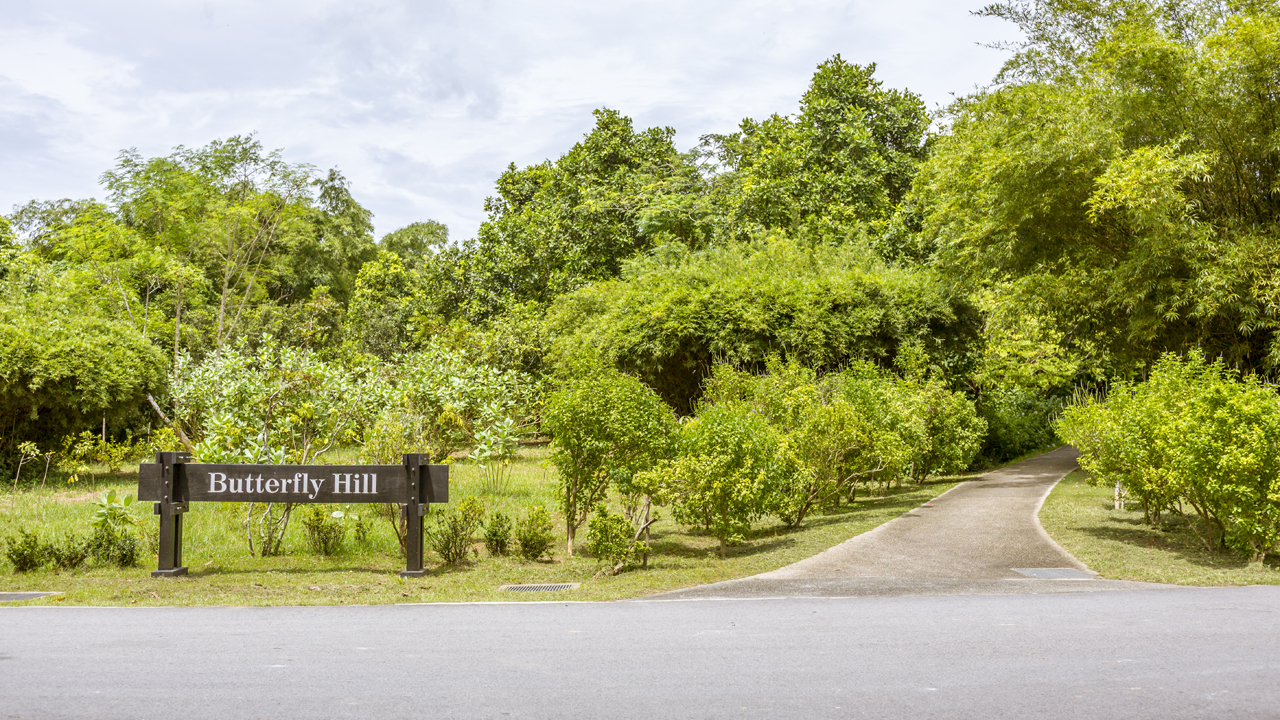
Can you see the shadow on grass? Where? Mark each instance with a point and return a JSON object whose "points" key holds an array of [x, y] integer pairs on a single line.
{"points": [[1178, 539]]}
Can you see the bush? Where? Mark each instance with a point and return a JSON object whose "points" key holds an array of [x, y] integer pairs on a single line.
{"points": [[497, 537], [454, 532], [25, 551], [731, 470], [606, 428], [68, 554], [533, 534], [611, 538], [674, 313], [1194, 438], [112, 545], [1019, 421], [325, 530]]}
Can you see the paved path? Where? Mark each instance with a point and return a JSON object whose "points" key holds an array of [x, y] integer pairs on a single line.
{"points": [[969, 540], [1178, 653]]}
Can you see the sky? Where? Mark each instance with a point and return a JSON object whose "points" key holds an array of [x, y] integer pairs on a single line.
{"points": [[422, 104]]}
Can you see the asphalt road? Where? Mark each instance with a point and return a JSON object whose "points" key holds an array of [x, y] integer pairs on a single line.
{"points": [[1174, 653]]}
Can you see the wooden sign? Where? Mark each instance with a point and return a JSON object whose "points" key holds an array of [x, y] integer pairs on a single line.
{"points": [[293, 483], [172, 482]]}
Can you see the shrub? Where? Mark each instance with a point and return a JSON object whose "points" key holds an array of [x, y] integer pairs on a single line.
{"points": [[533, 533], [1194, 438], [497, 536], [1019, 421], [68, 554], [325, 530], [732, 469], [111, 545], [25, 551], [606, 428], [454, 532], [611, 538]]}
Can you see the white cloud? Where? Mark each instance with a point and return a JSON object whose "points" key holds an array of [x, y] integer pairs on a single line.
{"points": [[423, 104]]}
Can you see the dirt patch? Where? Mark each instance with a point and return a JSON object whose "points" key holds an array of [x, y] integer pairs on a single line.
{"points": [[74, 497]]}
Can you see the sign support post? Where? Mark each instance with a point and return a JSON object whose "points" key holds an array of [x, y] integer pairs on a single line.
{"points": [[413, 510], [170, 509]]}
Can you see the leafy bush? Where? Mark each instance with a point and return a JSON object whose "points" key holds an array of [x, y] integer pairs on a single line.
{"points": [[25, 550], [495, 448], [113, 511], [69, 553], [436, 401], [611, 538], [1019, 420], [454, 532], [675, 313], [62, 368], [533, 533], [497, 536], [112, 545], [1194, 438], [325, 530], [732, 468], [606, 427]]}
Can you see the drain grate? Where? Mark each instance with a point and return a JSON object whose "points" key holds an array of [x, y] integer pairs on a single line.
{"points": [[550, 587], [1054, 573]]}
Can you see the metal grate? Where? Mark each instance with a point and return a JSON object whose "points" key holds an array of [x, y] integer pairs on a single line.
{"points": [[552, 587], [1054, 573]]}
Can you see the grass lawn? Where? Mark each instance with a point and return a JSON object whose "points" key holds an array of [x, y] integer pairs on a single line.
{"points": [[223, 573], [1118, 545]]}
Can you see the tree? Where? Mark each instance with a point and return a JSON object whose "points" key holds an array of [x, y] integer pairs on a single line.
{"points": [[1119, 180], [556, 226], [260, 231], [606, 428], [676, 313], [386, 299], [416, 242], [845, 160]]}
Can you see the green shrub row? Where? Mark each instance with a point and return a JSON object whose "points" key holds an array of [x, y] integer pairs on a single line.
{"points": [[1194, 441], [783, 443]]}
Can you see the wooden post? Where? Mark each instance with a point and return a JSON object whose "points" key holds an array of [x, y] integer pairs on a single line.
{"points": [[170, 509], [413, 510]]}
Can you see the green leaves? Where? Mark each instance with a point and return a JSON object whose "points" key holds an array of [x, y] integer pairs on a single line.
{"points": [[606, 428], [1120, 180], [113, 511], [1195, 435]]}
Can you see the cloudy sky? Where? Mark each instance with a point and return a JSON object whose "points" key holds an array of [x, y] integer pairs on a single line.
{"points": [[423, 103]]}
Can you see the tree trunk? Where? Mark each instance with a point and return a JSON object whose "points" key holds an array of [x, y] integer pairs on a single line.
{"points": [[570, 532]]}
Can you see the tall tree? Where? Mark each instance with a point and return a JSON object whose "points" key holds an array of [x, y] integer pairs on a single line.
{"points": [[556, 226], [846, 159], [1122, 178]]}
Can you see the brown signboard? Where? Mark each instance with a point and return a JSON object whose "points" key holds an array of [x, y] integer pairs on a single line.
{"points": [[196, 482], [172, 482]]}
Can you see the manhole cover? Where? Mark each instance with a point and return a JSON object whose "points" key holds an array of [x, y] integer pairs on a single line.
{"points": [[552, 587], [1054, 573], [20, 596]]}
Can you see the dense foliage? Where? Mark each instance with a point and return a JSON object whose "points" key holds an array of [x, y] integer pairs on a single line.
{"points": [[1193, 440]]}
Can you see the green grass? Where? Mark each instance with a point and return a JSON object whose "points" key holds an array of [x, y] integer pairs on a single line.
{"points": [[223, 573], [1117, 544]]}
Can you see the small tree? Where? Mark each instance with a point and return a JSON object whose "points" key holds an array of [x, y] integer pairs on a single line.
{"points": [[606, 428], [732, 469]]}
